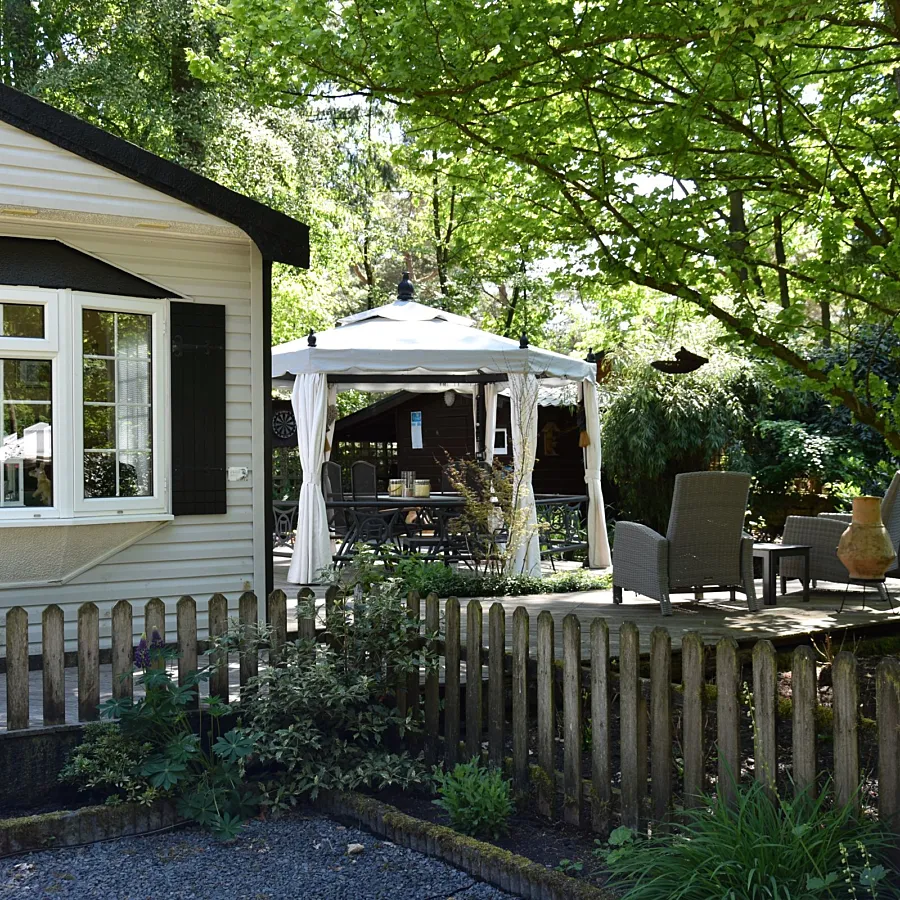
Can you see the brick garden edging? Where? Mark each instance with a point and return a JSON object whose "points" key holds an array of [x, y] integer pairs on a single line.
{"points": [[497, 867], [83, 826]]}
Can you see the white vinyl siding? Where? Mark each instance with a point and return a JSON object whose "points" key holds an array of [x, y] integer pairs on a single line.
{"points": [[196, 555]]}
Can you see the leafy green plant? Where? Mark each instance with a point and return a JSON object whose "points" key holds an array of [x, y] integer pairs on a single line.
{"points": [[108, 763], [323, 718], [801, 849], [476, 799], [153, 750]]}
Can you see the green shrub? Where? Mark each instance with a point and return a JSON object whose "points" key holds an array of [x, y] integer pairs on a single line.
{"points": [[153, 750], [108, 763], [800, 849], [477, 800], [322, 719]]}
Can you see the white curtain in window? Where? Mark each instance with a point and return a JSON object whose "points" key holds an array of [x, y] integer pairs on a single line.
{"points": [[490, 421], [524, 545], [332, 420], [312, 547], [598, 540]]}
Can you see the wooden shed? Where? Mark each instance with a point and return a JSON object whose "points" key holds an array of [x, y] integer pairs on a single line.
{"points": [[135, 348]]}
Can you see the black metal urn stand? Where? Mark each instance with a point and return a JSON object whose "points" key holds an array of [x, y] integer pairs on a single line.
{"points": [[877, 583]]}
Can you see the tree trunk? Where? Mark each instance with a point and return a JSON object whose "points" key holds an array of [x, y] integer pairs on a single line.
{"points": [[781, 258]]}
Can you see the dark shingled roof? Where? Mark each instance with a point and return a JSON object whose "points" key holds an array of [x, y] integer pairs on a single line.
{"points": [[279, 237]]}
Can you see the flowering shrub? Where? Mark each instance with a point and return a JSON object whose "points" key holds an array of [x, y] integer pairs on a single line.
{"points": [[157, 752]]}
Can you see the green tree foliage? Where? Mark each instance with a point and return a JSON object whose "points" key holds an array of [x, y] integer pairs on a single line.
{"points": [[739, 156]]}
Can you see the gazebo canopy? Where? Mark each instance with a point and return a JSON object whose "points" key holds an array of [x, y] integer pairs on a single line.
{"points": [[406, 338], [409, 346]]}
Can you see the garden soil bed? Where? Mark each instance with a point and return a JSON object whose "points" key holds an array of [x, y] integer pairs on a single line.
{"points": [[545, 841]]}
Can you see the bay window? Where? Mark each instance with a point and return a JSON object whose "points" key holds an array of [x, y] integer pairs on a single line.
{"points": [[81, 432]]}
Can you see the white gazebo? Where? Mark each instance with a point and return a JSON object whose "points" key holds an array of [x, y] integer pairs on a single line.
{"points": [[409, 346]]}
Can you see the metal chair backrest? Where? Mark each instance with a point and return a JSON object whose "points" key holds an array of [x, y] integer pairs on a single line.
{"points": [[363, 479], [332, 488], [706, 525]]}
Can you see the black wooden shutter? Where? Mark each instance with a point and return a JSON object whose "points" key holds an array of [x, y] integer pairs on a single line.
{"points": [[198, 409]]}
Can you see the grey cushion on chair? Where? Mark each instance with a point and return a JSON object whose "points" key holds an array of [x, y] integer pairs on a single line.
{"points": [[823, 532], [704, 544]]}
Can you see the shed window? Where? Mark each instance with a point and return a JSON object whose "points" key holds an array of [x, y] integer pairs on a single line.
{"points": [[81, 431]]}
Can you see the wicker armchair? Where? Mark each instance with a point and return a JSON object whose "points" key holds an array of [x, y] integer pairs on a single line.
{"points": [[822, 533], [704, 546]]}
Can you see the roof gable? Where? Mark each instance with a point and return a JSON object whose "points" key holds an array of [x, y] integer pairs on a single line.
{"points": [[279, 237]]}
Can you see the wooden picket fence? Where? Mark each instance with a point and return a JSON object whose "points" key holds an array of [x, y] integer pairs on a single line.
{"points": [[531, 703]]}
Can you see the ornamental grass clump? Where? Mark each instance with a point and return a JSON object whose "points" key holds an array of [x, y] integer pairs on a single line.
{"points": [[761, 849], [476, 799]]}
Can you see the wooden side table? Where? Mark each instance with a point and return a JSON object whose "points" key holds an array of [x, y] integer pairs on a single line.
{"points": [[771, 555]]}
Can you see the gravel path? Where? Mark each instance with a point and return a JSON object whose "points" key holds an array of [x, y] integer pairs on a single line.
{"points": [[301, 856]]}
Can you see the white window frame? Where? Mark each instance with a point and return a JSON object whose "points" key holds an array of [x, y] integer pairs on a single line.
{"points": [[501, 449], [157, 502], [46, 348]]}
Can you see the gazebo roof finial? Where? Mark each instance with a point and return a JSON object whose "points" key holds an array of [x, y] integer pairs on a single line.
{"points": [[311, 338], [405, 290]]}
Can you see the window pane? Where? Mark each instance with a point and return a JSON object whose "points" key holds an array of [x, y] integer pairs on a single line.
{"points": [[135, 475], [134, 336], [99, 332], [22, 320], [26, 379], [26, 447], [99, 381], [99, 474], [99, 428], [134, 382], [118, 393], [135, 430]]}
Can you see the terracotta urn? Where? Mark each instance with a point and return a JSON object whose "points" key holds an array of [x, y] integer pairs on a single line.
{"points": [[865, 548]]}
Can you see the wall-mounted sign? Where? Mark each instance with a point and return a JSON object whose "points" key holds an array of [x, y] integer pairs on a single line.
{"points": [[415, 429]]}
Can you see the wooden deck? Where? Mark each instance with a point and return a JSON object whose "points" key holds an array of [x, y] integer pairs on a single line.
{"points": [[714, 617]]}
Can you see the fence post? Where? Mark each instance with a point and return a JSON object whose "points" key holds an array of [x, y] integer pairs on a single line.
{"points": [[88, 662], [473, 679], [660, 724], [218, 659], [887, 706], [248, 617], [692, 718], [728, 737], [276, 617], [413, 687], [451, 682], [53, 645], [17, 701], [846, 743], [765, 750], [186, 627], [122, 650], [546, 724], [520, 696], [155, 620], [601, 779], [432, 681], [572, 730], [306, 624], [629, 728], [496, 691], [803, 731]]}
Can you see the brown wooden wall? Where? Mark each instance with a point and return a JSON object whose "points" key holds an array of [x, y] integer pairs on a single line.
{"points": [[449, 432]]}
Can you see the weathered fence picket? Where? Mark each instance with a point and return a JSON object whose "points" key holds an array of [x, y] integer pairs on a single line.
{"points": [[53, 650], [520, 696], [17, 700], [88, 662], [496, 685], [642, 713], [546, 714], [474, 684], [572, 731]]}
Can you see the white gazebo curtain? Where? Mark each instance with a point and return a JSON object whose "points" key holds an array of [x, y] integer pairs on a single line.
{"points": [[312, 545], [598, 539], [524, 543], [491, 392]]}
